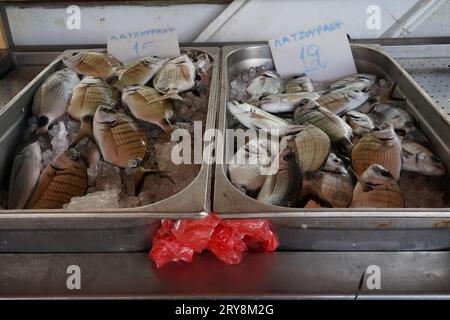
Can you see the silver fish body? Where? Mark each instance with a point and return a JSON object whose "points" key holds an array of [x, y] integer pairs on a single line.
{"points": [[312, 146], [247, 167], [340, 102], [177, 75], [328, 122], [53, 97], [300, 83], [25, 174], [282, 188], [356, 82], [377, 188], [379, 146], [285, 102], [139, 72], [399, 118], [332, 185], [360, 122], [255, 118], [266, 84], [417, 158]]}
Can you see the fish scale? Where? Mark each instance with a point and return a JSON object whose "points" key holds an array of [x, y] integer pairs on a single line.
{"points": [[147, 104], [91, 63], [139, 72], [57, 187], [337, 188], [391, 197], [370, 150], [332, 125], [119, 138], [176, 75], [88, 96], [312, 146], [340, 102], [53, 97]]}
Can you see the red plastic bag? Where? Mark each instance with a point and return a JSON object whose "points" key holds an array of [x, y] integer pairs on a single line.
{"points": [[226, 239]]}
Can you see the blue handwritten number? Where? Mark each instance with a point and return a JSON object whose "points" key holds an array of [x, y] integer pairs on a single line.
{"points": [[310, 57], [143, 46]]}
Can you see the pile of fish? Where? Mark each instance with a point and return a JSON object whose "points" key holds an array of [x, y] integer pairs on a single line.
{"points": [[340, 144], [97, 128]]}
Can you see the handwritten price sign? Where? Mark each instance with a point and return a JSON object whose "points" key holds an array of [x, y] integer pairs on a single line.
{"points": [[322, 52], [131, 46]]}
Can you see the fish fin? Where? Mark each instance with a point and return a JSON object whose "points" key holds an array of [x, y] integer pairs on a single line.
{"points": [[85, 131], [139, 177], [416, 135], [387, 94]]}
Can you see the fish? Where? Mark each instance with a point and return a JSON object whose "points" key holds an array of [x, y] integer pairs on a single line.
{"points": [[312, 146], [400, 119], [360, 122], [285, 102], [119, 138], [138, 73], [25, 174], [300, 83], [177, 75], [377, 188], [337, 129], [380, 146], [149, 105], [417, 158], [266, 84], [87, 96], [356, 82], [340, 102], [61, 180], [255, 118], [332, 186], [92, 63], [52, 98], [282, 187], [246, 168]]}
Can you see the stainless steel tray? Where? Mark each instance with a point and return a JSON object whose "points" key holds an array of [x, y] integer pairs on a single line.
{"points": [[112, 230], [342, 229]]}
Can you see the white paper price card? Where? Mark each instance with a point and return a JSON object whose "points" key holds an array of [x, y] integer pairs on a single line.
{"points": [[131, 46], [322, 52]]}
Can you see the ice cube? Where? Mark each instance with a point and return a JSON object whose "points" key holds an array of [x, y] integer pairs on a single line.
{"points": [[98, 200], [47, 158], [108, 177]]}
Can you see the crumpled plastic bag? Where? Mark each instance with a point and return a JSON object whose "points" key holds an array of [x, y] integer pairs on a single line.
{"points": [[226, 239]]}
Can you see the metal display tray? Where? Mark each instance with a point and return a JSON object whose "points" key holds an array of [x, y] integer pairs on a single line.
{"points": [[342, 229], [113, 230]]}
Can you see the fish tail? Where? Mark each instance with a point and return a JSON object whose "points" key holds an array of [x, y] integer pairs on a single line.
{"points": [[139, 177], [386, 95], [416, 135], [85, 131]]}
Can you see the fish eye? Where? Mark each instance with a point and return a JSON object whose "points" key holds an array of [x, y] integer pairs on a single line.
{"points": [[287, 156], [385, 173], [435, 159]]}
